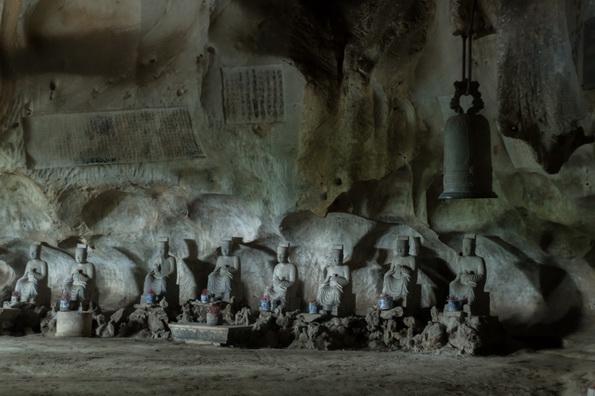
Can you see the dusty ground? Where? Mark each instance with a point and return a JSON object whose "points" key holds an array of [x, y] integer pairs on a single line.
{"points": [[38, 365]]}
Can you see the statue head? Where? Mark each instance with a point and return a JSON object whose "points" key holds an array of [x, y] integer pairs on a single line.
{"points": [[34, 250], [336, 257], [402, 246], [163, 246], [283, 253], [80, 255], [469, 245], [226, 246]]}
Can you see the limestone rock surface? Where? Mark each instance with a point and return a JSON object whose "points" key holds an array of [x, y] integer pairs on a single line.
{"points": [[352, 156]]}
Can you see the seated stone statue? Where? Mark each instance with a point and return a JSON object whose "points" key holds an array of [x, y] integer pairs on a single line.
{"points": [[471, 276], [79, 283], [221, 280], [164, 268], [35, 272], [284, 277], [401, 275], [337, 277]]}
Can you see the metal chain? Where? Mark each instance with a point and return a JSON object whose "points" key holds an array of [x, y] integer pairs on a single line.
{"points": [[467, 86]]}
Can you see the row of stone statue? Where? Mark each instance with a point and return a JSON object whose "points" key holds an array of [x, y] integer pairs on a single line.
{"points": [[467, 287], [79, 285], [282, 288]]}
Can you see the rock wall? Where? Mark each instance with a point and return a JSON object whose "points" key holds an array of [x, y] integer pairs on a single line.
{"points": [[354, 157]]}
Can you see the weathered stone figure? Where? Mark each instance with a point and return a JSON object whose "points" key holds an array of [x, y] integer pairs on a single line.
{"points": [[164, 267], [284, 277], [471, 274], [79, 283], [337, 277], [35, 272], [401, 273], [221, 280]]}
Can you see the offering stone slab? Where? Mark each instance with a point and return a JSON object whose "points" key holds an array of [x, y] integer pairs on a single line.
{"points": [[308, 317], [200, 333]]}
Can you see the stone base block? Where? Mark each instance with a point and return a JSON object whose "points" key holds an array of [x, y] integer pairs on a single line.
{"points": [[199, 303], [200, 333], [8, 314], [29, 319], [74, 323], [265, 315]]}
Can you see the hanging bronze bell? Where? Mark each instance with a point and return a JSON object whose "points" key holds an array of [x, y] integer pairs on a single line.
{"points": [[467, 150]]}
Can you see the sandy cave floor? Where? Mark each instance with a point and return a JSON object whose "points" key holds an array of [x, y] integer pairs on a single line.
{"points": [[39, 365]]}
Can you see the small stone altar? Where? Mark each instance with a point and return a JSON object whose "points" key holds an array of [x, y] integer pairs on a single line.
{"points": [[74, 323], [203, 334], [192, 324]]}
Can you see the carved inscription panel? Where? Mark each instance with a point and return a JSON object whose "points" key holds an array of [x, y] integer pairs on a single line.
{"points": [[63, 140], [253, 94]]}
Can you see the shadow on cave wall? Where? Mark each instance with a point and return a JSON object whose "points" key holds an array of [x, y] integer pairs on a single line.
{"points": [[440, 276], [560, 294], [590, 257], [195, 266], [365, 249], [100, 207], [382, 259], [138, 271], [550, 335], [69, 245], [270, 260]]}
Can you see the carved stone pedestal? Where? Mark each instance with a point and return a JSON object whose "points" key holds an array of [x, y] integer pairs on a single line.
{"points": [[200, 333], [74, 323], [265, 315]]}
